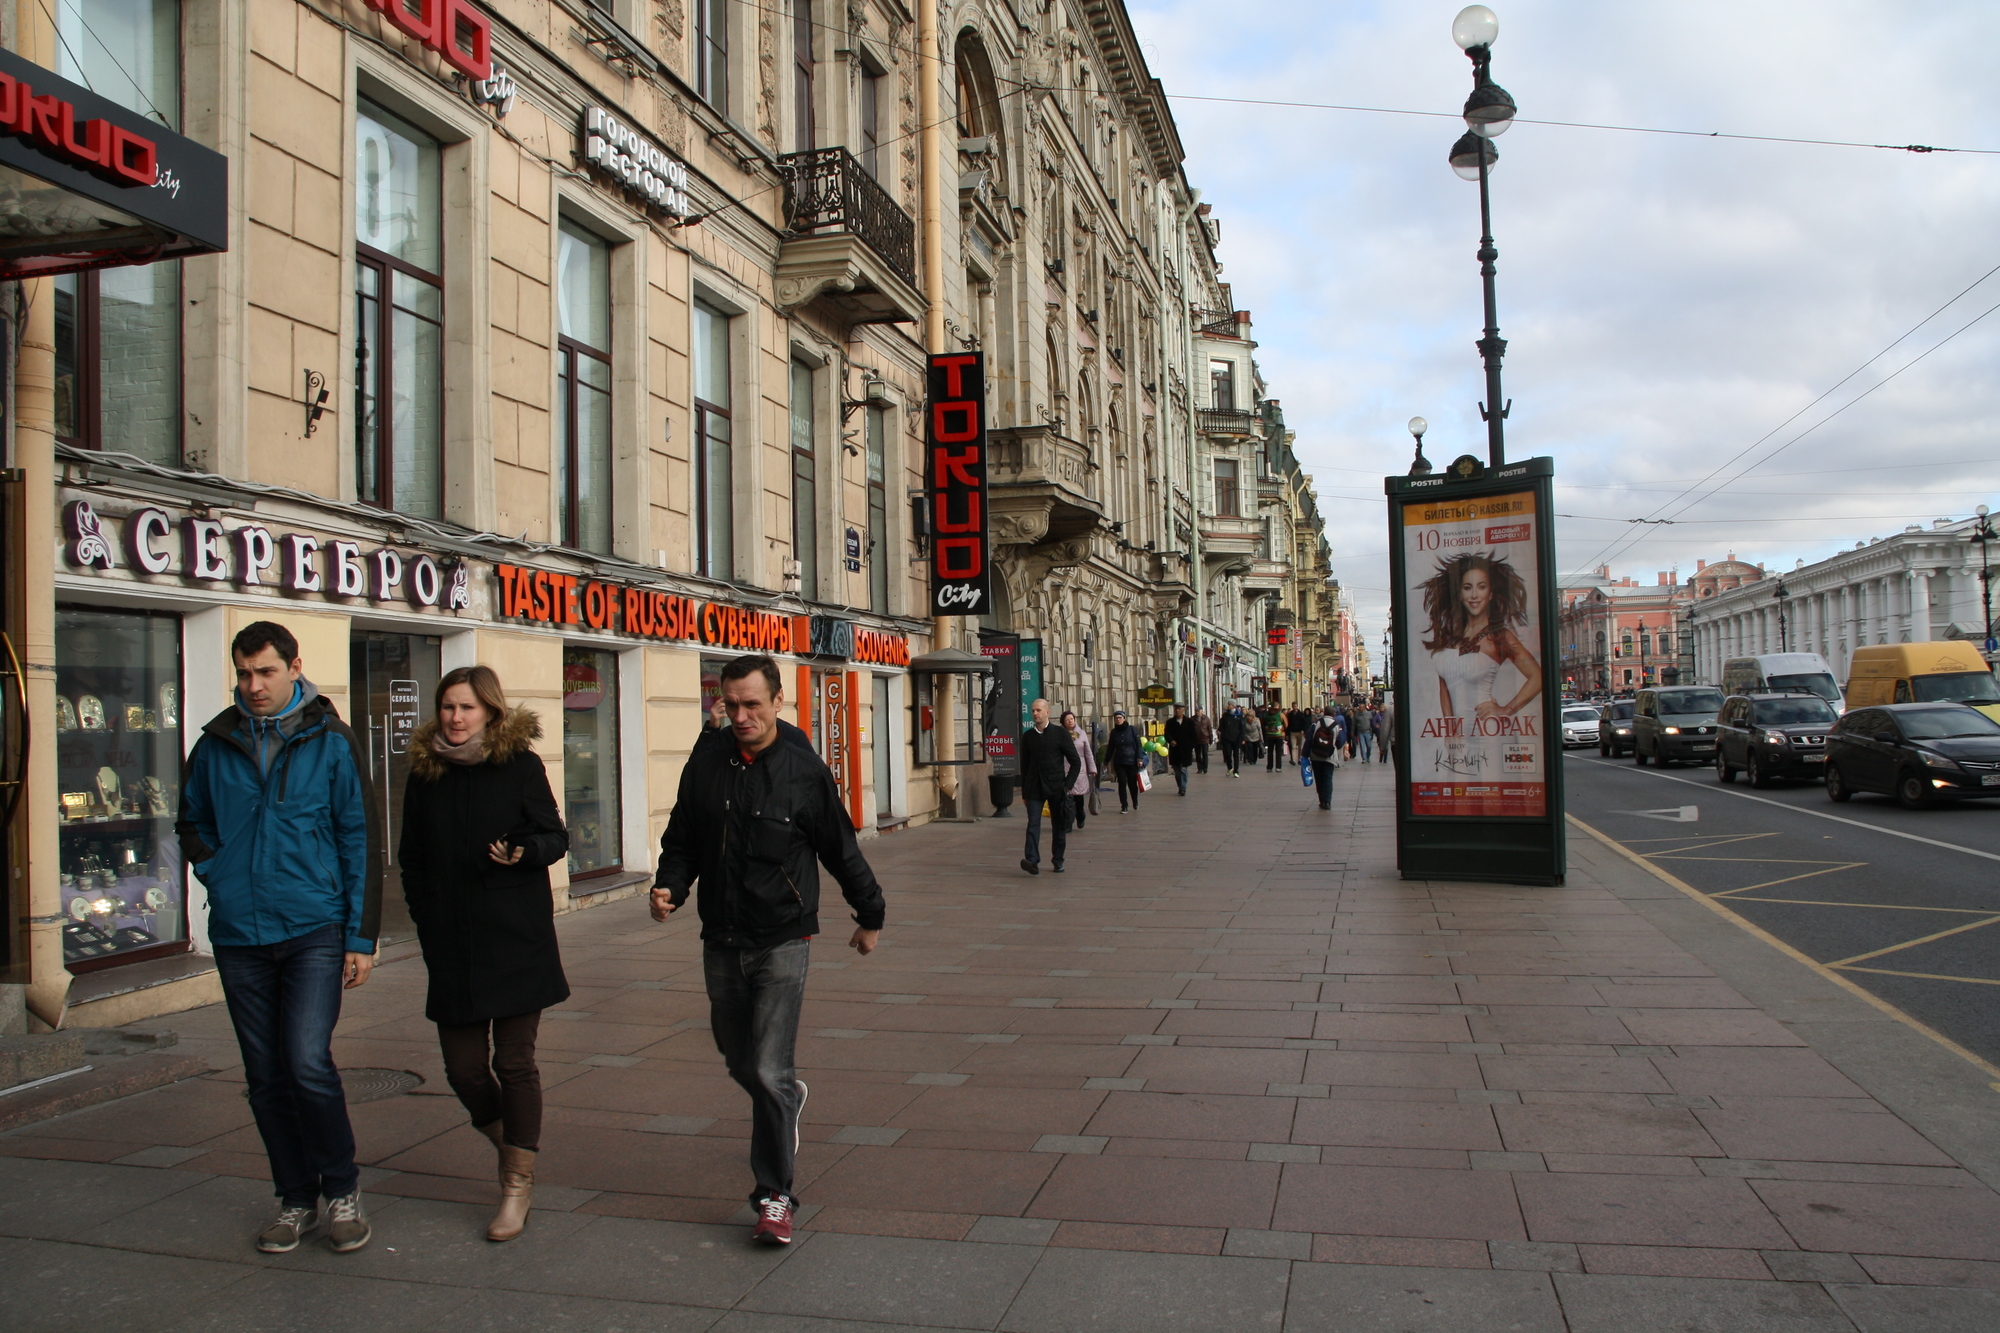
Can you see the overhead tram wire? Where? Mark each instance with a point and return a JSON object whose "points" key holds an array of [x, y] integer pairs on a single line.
{"points": [[1618, 546]]}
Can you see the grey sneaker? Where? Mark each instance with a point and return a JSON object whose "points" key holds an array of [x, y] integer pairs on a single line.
{"points": [[283, 1236], [347, 1226]]}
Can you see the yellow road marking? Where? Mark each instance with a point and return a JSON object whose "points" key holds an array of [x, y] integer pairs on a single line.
{"points": [[1793, 879], [1897, 948], [1852, 987], [1707, 841], [1732, 895], [1929, 976]]}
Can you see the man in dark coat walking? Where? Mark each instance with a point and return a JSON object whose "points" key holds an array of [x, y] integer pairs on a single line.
{"points": [[1127, 752], [1230, 729], [752, 823], [1181, 741], [1049, 766]]}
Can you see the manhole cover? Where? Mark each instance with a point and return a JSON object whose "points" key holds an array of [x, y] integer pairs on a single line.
{"points": [[372, 1085]]}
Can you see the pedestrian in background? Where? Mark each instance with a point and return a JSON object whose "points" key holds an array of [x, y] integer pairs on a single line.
{"points": [[1086, 780], [275, 817], [1322, 740], [1274, 738], [1365, 729], [480, 831], [1231, 731], [1126, 751], [1050, 769], [1180, 736], [752, 824], [1295, 733], [1204, 736]]}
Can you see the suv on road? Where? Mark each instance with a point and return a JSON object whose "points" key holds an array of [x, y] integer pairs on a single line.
{"points": [[1922, 754], [1614, 728], [1772, 735], [1672, 722]]}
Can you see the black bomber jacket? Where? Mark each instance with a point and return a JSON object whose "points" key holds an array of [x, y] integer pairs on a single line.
{"points": [[753, 834]]}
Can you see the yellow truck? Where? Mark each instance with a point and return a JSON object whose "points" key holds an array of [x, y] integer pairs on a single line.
{"points": [[1946, 671]]}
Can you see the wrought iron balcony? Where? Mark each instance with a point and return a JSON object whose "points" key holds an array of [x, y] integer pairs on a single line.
{"points": [[827, 189], [1227, 421]]}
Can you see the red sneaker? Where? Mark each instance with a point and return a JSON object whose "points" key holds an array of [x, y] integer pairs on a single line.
{"points": [[774, 1222]]}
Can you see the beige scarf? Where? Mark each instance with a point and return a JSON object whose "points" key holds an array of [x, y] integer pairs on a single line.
{"points": [[471, 751]]}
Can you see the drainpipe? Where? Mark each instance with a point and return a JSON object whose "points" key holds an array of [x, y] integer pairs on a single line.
{"points": [[930, 72]]}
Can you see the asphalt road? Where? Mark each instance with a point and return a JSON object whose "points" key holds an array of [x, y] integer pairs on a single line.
{"points": [[1904, 903]]}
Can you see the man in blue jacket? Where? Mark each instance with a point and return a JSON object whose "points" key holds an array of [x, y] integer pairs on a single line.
{"points": [[276, 817]]}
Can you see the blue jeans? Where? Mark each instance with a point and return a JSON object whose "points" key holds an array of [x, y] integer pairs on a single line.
{"points": [[753, 1009], [1059, 824], [1367, 744], [1180, 778], [283, 1001]]}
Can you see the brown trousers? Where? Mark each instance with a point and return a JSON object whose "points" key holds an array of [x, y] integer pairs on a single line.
{"points": [[491, 1066]]}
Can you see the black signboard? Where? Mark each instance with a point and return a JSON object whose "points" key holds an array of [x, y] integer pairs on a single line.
{"points": [[1473, 602], [955, 433], [1004, 706], [106, 182]]}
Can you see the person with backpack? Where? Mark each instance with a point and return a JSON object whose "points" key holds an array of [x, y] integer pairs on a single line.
{"points": [[1323, 740], [1274, 738]]}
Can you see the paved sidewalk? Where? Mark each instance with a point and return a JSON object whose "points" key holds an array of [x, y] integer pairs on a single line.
{"points": [[1227, 1073]]}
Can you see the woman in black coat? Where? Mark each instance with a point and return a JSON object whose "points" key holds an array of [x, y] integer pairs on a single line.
{"points": [[480, 830]]}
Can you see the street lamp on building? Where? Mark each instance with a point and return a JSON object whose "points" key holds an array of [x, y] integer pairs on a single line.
{"points": [[1488, 113], [1784, 599], [1642, 652], [1982, 532], [1419, 466]]}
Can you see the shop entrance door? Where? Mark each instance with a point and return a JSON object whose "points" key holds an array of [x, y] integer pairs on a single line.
{"points": [[391, 678]]}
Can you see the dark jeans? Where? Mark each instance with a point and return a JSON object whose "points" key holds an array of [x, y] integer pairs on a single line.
{"points": [[1323, 782], [1128, 784], [283, 1001], [1059, 809], [1180, 778], [753, 1010], [491, 1066], [1079, 807], [1201, 759], [1275, 759], [1232, 756]]}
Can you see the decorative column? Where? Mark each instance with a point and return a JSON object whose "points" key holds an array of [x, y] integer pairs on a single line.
{"points": [[1920, 606]]}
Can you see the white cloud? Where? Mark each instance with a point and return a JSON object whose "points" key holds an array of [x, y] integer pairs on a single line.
{"points": [[1667, 300]]}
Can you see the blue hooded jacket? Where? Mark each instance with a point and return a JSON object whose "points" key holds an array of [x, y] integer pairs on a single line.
{"points": [[277, 817]]}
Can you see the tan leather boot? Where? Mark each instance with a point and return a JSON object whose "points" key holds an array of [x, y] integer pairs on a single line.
{"points": [[517, 1183]]}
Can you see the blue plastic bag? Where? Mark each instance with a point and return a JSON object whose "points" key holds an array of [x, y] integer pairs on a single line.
{"points": [[1306, 771]]}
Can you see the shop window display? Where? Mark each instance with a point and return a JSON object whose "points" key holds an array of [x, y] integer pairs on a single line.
{"points": [[590, 761], [118, 738]]}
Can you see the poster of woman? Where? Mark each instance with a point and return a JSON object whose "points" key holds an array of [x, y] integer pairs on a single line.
{"points": [[1476, 741]]}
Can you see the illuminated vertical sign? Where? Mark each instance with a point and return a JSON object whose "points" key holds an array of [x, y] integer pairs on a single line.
{"points": [[955, 434]]}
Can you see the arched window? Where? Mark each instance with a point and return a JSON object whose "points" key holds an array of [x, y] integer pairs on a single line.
{"points": [[979, 103]]}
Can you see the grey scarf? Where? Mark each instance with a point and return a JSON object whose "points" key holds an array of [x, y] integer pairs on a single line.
{"points": [[471, 751]]}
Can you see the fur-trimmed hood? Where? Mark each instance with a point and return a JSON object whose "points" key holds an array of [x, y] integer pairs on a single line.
{"points": [[512, 734]]}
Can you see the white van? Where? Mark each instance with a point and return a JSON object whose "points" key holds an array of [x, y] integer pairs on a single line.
{"points": [[1807, 672]]}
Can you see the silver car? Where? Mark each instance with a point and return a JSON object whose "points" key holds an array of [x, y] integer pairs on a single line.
{"points": [[1579, 725]]}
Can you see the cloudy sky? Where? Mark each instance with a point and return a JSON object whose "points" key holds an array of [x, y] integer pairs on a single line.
{"points": [[1669, 301]]}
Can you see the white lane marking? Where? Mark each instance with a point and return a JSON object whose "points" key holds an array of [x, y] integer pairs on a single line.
{"points": [[1798, 809], [1673, 814]]}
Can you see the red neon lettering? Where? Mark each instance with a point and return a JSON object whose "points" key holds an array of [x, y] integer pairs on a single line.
{"points": [[971, 521], [136, 159], [951, 551], [950, 468], [941, 412], [538, 604], [505, 573], [954, 372], [96, 145]]}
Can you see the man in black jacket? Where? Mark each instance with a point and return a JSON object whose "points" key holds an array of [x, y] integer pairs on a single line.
{"points": [[752, 823], [1049, 767], [1231, 732], [1180, 734]]}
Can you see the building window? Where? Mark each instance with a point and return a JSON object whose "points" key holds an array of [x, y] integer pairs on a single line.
{"points": [[1222, 385], [714, 528], [1625, 644], [1226, 502], [802, 76], [878, 511], [711, 52], [590, 760], [126, 50], [871, 118], [399, 353], [583, 388], [118, 769], [118, 360], [805, 481]]}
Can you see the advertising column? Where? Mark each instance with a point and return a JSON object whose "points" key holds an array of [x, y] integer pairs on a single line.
{"points": [[1472, 555]]}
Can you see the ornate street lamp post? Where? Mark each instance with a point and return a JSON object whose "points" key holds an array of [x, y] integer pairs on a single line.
{"points": [[1419, 466], [1982, 532], [1488, 112], [1784, 600]]}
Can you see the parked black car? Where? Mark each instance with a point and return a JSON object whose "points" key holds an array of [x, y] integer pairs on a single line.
{"points": [[1614, 728], [1772, 735], [1922, 754]]}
